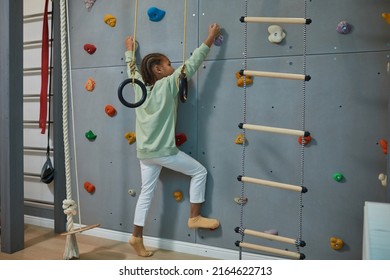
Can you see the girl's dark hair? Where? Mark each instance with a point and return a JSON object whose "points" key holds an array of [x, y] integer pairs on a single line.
{"points": [[147, 64]]}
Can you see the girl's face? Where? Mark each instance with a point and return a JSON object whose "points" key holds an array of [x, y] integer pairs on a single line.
{"points": [[166, 67]]}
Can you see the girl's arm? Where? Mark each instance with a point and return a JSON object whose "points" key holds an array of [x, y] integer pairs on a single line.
{"points": [[199, 54]]}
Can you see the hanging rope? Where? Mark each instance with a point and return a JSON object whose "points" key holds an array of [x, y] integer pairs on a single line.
{"points": [[69, 205], [182, 82], [132, 67], [132, 63]]}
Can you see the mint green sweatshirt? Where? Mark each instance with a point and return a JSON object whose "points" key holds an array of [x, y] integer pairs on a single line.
{"points": [[156, 118]]}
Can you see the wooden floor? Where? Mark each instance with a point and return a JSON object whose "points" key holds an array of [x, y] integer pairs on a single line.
{"points": [[43, 244]]}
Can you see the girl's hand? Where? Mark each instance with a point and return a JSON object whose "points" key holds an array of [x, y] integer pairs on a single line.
{"points": [[129, 43], [214, 31]]}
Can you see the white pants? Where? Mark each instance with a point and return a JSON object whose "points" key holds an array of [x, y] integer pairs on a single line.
{"points": [[150, 171]]}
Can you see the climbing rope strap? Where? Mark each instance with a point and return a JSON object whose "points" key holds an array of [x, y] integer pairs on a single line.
{"points": [[44, 70]]}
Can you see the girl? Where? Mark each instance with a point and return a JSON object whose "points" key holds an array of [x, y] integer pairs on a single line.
{"points": [[155, 130]]}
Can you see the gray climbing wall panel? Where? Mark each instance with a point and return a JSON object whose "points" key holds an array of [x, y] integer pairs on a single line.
{"points": [[346, 113]]}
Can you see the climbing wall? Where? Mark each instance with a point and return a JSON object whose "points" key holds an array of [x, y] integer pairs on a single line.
{"points": [[346, 114]]}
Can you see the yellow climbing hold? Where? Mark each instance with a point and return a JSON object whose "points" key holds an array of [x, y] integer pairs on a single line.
{"points": [[386, 16], [178, 195], [110, 20], [336, 243], [131, 137], [240, 79], [240, 139]]}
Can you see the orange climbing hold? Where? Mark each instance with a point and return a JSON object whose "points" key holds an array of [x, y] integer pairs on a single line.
{"points": [[240, 79], [178, 195], [131, 137], [240, 139], [306, 138], [110, 110], [383, 144], [336, 243], [90, 84], [89, 187], [386, 16]]}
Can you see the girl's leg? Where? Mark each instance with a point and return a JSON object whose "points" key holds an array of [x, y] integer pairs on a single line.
{"points": [[187, 165], [149, 175]]}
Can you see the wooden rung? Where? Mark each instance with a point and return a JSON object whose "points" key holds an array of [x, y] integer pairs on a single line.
{"points": [[284, 253], [272, 184], [78, 230], [276, 20], [278, 75], [270, 236], [287, 131]]}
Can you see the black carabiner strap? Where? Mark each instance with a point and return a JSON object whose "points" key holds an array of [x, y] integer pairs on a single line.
{"points": [[120, 93], [183, 85]]}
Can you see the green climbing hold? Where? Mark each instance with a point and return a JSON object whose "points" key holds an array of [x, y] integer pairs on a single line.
{"points": [[90, 135], [338, 177]]}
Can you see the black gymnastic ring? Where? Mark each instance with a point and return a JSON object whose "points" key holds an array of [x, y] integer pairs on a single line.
{"points": [[120, 93], [183, 87]]}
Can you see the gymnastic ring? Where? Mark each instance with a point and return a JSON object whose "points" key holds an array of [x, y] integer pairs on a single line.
{"points": [[183, 87], [120, 93]]}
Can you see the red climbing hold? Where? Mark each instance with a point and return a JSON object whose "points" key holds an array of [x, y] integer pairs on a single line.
{"points": [[110, 110], [307, 140], [89, 48], [180, 139], [89, 187], [383, 144]]}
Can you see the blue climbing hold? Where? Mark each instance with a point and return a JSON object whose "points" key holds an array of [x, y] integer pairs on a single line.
{"points": [[155, 14]]}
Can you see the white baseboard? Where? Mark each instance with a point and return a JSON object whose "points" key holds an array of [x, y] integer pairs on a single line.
{"points": [[160, 243]]}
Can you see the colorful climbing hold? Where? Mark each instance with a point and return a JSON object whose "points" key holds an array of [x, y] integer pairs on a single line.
{"points": [[383, 178], [276, 34], [240, 139], [344, 27], [89, 187], [110, 20], [110, 110], [383, 144], [155, 14], [240, 79], [89, 4], [338, 177], [307, 140], [180, 139], [178, 195], [90, 135], [336, 243], [386, 16], [132, 192], [218, 41], [131, 137], [241, 200], [90, 84], [90, 48]]}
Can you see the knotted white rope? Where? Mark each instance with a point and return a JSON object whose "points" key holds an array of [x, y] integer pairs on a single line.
{"points": [[69, 206]]}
